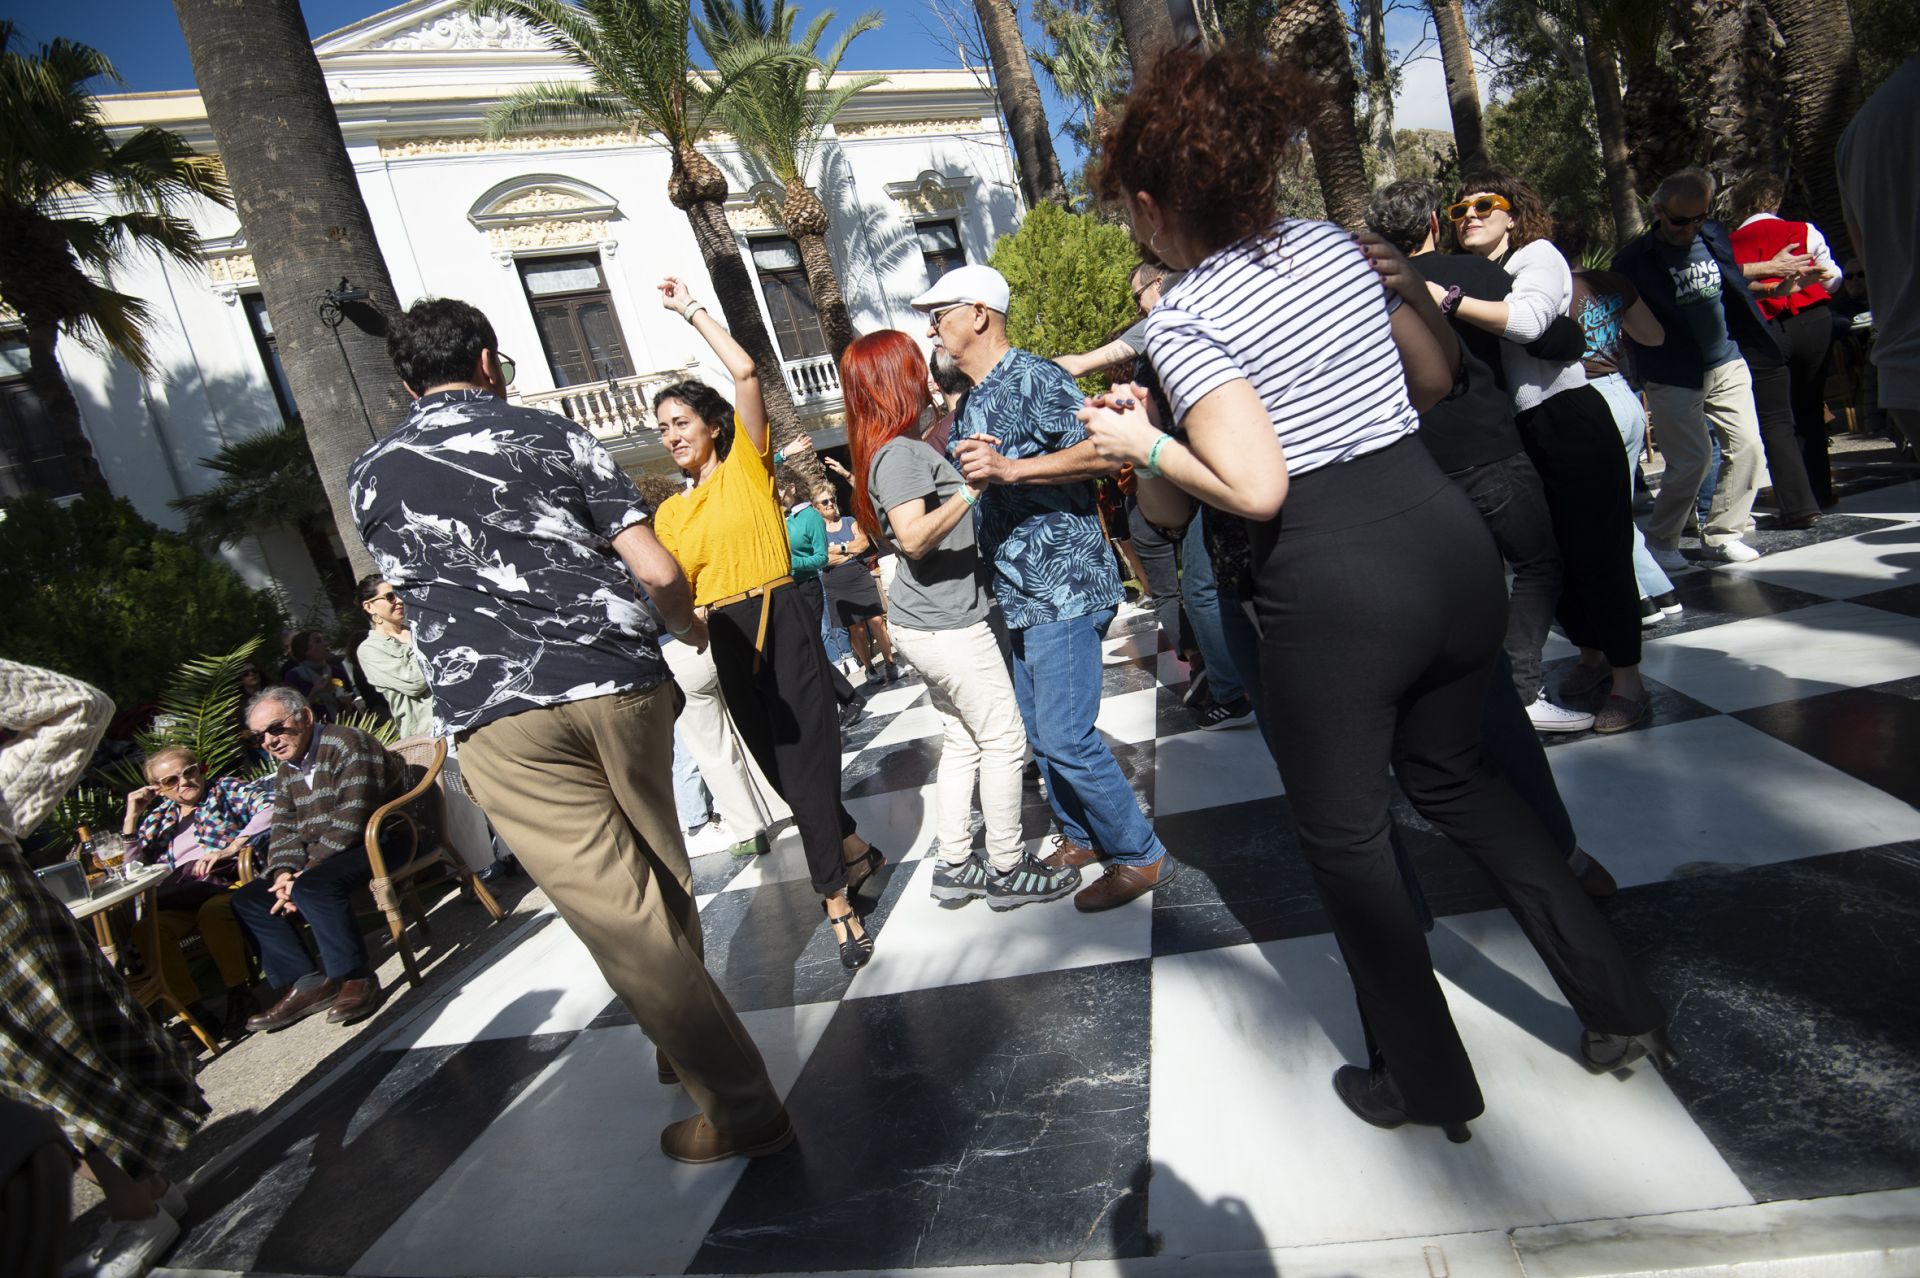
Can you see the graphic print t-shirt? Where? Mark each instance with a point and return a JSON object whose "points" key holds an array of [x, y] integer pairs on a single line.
{"points": [[1696, 291], [496, 525], [1601, 300]]}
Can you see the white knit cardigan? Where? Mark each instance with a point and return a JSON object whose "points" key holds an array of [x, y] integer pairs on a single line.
{"points": [[50, 724]]}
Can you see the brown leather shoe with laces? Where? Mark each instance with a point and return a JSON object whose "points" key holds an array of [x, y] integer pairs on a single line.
{"points": [[1068, 855], [295, 1005], [1119, 884], [359, 998], [695, 1140]]}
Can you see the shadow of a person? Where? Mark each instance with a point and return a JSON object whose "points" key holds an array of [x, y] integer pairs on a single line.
{"points": [[1223, 1230]]}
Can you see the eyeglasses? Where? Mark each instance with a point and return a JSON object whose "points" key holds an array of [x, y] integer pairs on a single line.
{"points": [[942, 313], [389, 598], [1142, 291], [1695, 220], [189, 773], [1480, 206], [506, 364], [278, 728]]}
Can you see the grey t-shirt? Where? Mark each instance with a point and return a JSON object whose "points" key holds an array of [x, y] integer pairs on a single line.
{"points": [[943, 589]]}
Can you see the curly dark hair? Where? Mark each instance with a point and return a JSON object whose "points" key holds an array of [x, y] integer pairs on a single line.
{"points": [[437, 341], [1205, 134], [1531, 221], [708, 404]]}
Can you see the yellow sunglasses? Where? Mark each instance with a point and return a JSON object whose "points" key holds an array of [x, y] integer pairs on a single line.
{"points": [[1478, 207]]}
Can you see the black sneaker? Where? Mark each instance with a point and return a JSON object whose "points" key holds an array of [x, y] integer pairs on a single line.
{"points": [[1232, 714], [959, 883], [1027, 882], [1195, 687], [1668, 603], [1650, 614]]}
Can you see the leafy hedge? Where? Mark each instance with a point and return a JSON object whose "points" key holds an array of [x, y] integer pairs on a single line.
{"points": [[1068, 273]]}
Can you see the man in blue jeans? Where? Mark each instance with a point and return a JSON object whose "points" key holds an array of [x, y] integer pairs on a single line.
{"points": [[1038, 527]]}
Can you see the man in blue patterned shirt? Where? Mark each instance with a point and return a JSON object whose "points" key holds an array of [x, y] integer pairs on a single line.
{"points": [[1038, 526]]}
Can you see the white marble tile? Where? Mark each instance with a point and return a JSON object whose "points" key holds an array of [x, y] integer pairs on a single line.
{"points": [[786, 859], [1486, 1254], [545, 984], [1557, 647], [1168, 669], [1846, 566], [901, 822], [1715, 792], [925, 946], [570, 1178], [1130, 716], [1898, 500], [1142, 643], [1764, 660], [1245, 1042], [1055, 1270], [911, 724], [894, 699], [1207, 769]]}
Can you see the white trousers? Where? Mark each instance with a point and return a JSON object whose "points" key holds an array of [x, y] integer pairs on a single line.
{"points": [[968, 683], [741, 792]]}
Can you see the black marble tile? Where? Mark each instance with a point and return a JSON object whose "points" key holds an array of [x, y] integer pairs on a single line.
{"points": [[712, 871], [904, 765], [1769, 540], [1870, 733], [1243, 878], [1714, 597], [1901, 599], [320, 1186], [1171, 715], [869, 726], [1670, 705], [1126, 676], [994, 1123], [1795, 995]]}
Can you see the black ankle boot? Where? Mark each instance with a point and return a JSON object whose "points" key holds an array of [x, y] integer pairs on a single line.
{"points": [[1605, 1053], [1373, 1098]]}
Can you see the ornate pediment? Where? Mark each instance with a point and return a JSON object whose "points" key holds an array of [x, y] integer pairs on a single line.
{"points": [[541, 197], [431, 26], [930, 193]]}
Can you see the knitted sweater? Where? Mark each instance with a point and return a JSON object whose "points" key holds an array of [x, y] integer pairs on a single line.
{"points": [[353, 774], [49, 725]]}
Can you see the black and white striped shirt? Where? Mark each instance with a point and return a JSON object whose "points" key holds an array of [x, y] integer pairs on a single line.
{"points": [[1301, 315]]}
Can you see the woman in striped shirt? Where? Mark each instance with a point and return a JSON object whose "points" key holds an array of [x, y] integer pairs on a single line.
{"points": [[1295, 378]]}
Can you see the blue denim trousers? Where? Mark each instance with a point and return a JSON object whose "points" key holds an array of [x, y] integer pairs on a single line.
{"points": [[1202, 596], [691, 802], [1056, 680], [1631, 419]]}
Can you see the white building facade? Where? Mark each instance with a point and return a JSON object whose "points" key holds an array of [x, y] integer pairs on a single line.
{"points": [[560, 237]]}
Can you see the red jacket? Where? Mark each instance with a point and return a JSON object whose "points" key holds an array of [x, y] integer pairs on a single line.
{"points": [[1759, 240]]}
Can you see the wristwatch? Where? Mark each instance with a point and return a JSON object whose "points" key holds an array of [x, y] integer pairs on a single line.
{"points": [[1451, 302]]}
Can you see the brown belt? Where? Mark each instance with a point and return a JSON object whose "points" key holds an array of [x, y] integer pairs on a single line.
{"points": [[764, 593]]}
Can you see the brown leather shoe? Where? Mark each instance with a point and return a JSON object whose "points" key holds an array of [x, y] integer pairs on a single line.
{"points": [[1122, 883], [669, 1076], [1068, 855], [695, 1140], [295, 1005], [359, 999]]}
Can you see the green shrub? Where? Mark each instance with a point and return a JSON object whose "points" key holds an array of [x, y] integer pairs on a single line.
{"points": [[1069, 274], [93, 590]]}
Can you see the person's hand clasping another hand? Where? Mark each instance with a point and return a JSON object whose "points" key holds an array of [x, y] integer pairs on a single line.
{"points": [[283, 893], [1118, 424], [981, 462]]}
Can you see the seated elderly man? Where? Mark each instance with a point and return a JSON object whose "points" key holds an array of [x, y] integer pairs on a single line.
{"points": [[197, 827], [330, 781]]}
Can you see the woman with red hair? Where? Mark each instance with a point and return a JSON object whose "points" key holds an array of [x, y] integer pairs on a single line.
{"points": [[937, 604]]}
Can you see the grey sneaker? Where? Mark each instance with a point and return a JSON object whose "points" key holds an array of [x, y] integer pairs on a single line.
{"points": [[960, 882], [1029, 881]]}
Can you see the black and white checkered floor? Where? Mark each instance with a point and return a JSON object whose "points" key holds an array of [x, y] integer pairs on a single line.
{"points": [[1046, 1093]]}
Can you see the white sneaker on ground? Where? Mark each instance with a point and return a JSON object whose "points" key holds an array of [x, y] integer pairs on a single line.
{"points": [[1547, 717], [1731, 552], [1670, 561], [126, 1248]]}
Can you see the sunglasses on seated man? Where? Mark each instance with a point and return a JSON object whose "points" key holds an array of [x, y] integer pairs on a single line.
{"points": [[278, 728]]}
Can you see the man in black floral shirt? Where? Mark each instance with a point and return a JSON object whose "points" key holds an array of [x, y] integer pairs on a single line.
{"points": [[516, 540]]}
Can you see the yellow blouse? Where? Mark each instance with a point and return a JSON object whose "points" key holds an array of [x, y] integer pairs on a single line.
{"points": [[728, 533]]}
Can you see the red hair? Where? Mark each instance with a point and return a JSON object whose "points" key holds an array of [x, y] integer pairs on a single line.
{"points": [[883, 381]]}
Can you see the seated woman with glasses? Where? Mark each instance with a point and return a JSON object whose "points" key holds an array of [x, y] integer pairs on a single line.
{"points": [[197, 827]]}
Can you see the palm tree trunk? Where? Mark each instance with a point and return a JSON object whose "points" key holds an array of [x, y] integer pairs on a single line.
{"points": [[1821, 74], [1726, 50], [1147, 28], [50, 387], [806, 221], [299, 202], [1463, 85], [1603, 74], [1313, 34], [1379, 82], [1026, 112], [1661, 136], [337, 585]]}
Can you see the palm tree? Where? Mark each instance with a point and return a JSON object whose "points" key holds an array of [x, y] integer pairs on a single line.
{"points": [[61, 177], [1378, 73], [777, 115], [1820, 71], [1463, 85], [641, 75], [1040, 179], [1089, 68], [1313, 35], [1726, 53], [307, 227], [268, 481], [1610, 121]]}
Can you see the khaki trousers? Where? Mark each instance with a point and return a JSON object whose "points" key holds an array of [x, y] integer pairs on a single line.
{"points": [[1680, 417], [583, 793]]}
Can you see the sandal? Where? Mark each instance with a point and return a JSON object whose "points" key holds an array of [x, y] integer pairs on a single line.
{"points": [[856, 950], [873, 859]]}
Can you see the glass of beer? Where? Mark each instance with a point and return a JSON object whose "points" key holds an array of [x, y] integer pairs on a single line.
{"points": [[111, 851]]}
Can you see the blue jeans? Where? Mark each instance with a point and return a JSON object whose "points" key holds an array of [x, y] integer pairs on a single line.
{"points": [[1631, 419], [1242, 638], [1056, 680], [323, 895], [1198, 589], [839, 647], [691, 802]]}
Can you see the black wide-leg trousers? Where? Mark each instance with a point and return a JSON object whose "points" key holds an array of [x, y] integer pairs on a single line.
{"points": [[1381, 607]]}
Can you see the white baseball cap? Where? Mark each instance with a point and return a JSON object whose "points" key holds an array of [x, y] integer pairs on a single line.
{"points": [[966, 284]]}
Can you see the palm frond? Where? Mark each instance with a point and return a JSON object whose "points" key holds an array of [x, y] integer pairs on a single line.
{"points": [[200, 709], [555, 103]]}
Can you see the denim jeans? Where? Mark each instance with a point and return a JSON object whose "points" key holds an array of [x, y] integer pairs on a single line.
{"points": [[691, 801], [1201, 593], [1242, 637], [1631, 419], [839, 646], [323, 897], [1056, 680], [1509, 496]]}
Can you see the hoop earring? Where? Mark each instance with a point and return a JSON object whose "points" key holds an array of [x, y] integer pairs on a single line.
{"points": [[1153, 245]]}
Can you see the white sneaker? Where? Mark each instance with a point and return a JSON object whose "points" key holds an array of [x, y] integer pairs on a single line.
{"points": [[1731, 552], [1547, 717], [126, 1248], [1670, 561]]}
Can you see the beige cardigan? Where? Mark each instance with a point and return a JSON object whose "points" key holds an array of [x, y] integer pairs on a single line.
{"points": [[50, 723]]}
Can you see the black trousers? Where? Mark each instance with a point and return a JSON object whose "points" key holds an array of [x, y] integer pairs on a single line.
{"points": [[1807, 338], [814, 597], [1381, 609], [1575, 447], [1509, 496], [785, 713], [1786, 465]]}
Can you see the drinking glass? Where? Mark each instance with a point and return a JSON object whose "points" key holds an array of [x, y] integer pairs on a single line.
{"points": [[111, 851]]}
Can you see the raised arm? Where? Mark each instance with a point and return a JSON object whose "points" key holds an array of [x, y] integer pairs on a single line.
{"points": [[748, 404], [1098, 358]]}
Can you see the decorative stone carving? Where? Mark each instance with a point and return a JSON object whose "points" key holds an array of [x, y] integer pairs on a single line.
{"points": [[907, 128], [596, 139], [548, 233], [541, 199], [231, 269], [930, 194], [757, 210], [462, 30]]}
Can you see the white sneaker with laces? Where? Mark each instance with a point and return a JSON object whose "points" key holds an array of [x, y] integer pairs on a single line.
{"points": [[1670, 561], [126, 1248], [1547, 717], [1731, 552]]}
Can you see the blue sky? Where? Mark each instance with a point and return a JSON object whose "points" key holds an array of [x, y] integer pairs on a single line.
{"points": [[144, 41]]}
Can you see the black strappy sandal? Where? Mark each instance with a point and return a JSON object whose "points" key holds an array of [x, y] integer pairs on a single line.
{"points": [[873, 860], [855, 951]]}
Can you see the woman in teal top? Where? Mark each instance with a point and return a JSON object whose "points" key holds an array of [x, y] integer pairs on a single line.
{"points": [[807, 538]]}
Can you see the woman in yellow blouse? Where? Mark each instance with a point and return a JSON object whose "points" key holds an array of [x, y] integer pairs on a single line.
{"points": [[731, 540]]}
